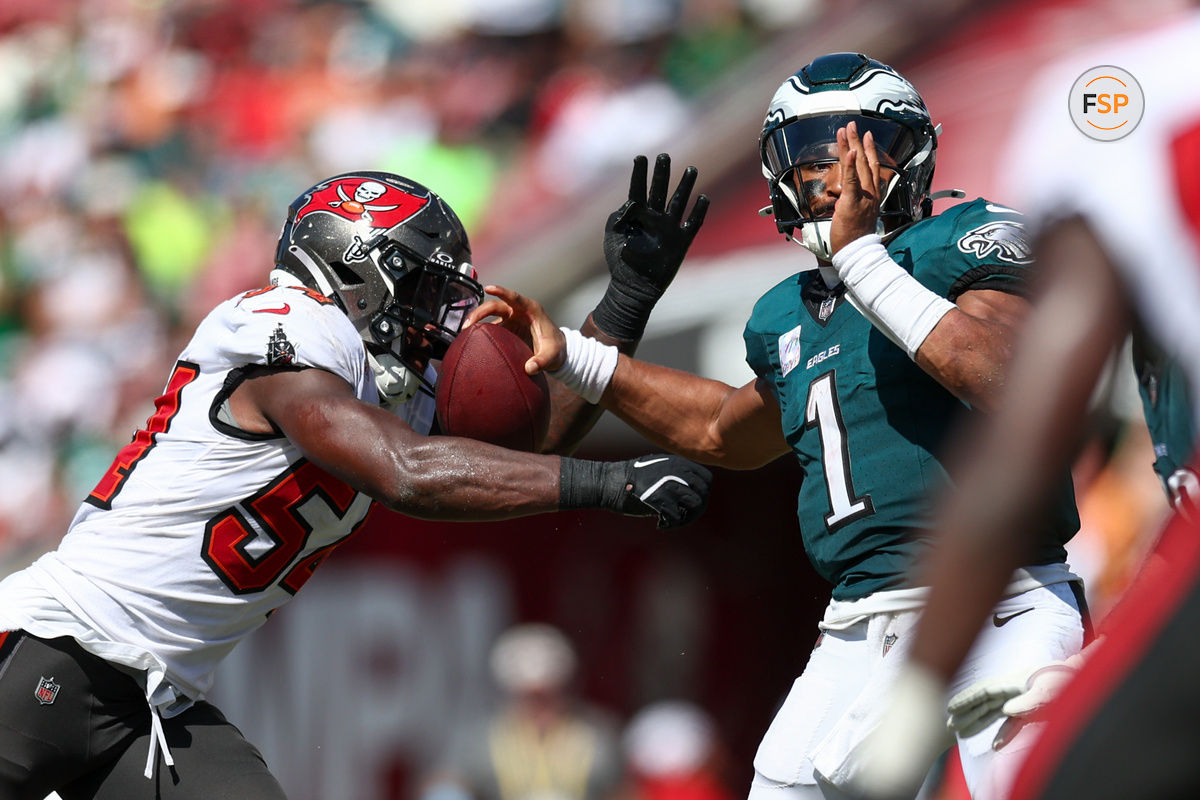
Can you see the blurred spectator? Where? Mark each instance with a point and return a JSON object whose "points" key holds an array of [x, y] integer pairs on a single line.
{"points": [[673, 752], [543, 743]]}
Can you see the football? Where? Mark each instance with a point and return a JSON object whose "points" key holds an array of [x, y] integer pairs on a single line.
{"points": [[483, 392]]}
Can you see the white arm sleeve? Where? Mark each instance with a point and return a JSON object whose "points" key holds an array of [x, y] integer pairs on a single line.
{"points": [[895, 302]]}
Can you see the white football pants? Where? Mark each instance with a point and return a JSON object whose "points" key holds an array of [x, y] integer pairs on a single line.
{"points": [[807, 753]]}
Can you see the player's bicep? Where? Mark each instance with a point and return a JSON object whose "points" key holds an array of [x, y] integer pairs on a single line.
{"points": [[998, 308], [749, 427], [969, 350], [319, 413]]}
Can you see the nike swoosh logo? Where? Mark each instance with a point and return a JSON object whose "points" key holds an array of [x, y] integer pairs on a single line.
{"points": [[997, 209], [283, 309], [638, 464], [1000, 621], [668, 479]]}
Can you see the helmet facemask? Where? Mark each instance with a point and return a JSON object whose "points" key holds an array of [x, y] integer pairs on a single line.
{"points": [[429, 300]]}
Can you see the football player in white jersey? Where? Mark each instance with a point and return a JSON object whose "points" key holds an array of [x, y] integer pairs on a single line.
{"points": [[291, 410], [1120, 243]]}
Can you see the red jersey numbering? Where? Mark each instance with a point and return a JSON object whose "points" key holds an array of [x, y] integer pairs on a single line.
{"points": [[280, 512], [165, 409]]}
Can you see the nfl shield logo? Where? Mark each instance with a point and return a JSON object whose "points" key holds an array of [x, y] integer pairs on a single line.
{"points": [[888, 641], [46, 691]]}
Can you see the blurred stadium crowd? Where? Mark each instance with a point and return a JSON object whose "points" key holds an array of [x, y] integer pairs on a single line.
{"points": [[149, 149]]}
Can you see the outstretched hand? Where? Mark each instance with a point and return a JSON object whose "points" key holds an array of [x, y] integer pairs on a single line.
{"points": [[856, 212], [645, 241], [525, 317]]}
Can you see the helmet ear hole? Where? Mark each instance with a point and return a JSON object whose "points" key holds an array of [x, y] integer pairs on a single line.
{"points": [[347, 276]]}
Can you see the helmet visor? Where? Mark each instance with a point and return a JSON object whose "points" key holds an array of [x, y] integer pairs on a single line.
{"points": [[813, 139], [436, 301]]}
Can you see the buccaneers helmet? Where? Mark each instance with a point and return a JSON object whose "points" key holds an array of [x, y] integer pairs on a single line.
{"points": [[801, 129], [395, 258]]}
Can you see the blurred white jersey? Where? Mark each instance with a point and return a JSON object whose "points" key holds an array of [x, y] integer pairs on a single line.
{"points": [[199, 530], [1139, 194]]}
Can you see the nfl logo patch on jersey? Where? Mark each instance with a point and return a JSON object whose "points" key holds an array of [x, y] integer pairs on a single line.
{"points": [[46, 690], [789, 350], [888, 642]]}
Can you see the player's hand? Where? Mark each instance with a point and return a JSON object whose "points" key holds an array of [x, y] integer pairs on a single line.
{"points": [[525, 317], [982, 703], [856, 212], [1184, 488], [667, 486], [645, 241], [1015, 697]]}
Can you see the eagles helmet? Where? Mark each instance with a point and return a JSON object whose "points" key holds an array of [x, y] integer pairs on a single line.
{"points": [[395, 258], [801, 129]]}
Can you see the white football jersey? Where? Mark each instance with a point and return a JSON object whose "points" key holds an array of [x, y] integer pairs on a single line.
{"points": [[1139, 194], [199, 530]]}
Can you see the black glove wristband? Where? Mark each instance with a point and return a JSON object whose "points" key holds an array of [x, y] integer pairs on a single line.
{"points": [[623, 311], [591, 484]]}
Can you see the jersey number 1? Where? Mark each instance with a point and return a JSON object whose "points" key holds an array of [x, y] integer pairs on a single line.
{"points": [[823, 413]]}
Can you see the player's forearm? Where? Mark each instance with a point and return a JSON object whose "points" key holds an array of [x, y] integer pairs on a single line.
{"points": [[572, 417], [674, 409], [451, 478], [969, 357], [967, 571]]}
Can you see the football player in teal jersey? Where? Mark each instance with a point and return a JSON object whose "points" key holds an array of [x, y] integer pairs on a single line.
{"points": [[863, 367]]}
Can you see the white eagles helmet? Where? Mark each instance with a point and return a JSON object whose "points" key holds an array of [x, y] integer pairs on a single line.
{"points": [[801, 128]]}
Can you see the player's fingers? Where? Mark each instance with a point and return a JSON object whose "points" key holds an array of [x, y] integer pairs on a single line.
{"points": [[518, 301], [862, 167], [637, 180], [871, 162], [549, 347], [682, 193], [657, 199], [696, 218], [488, 308], [846, 159]]}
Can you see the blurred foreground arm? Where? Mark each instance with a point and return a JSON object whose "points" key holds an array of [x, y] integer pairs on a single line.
{"points": [[986, 526]]}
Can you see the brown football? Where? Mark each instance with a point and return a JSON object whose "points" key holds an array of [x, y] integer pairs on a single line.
{"points": [[483, 392]]}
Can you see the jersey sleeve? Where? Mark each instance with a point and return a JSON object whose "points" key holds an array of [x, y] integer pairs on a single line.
{"points": [[279, 327], [772, 335], [976, 245]]}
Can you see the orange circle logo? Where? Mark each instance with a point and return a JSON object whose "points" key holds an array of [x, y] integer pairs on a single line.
{"points": [[1106, 103]]}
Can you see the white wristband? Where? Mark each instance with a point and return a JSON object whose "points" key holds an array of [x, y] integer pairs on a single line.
{"points": [[589, 366], [895, 302]]}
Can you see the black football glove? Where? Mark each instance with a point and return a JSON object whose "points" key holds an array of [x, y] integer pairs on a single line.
{"points": [[645, 241], [667, 486]]}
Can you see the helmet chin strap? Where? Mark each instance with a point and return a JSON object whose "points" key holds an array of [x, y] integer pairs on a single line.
{"points": [[814, 237], [396, 383]]}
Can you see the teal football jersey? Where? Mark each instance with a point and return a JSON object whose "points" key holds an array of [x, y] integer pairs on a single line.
{"points": [[1167, 406], [866, 423]]}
